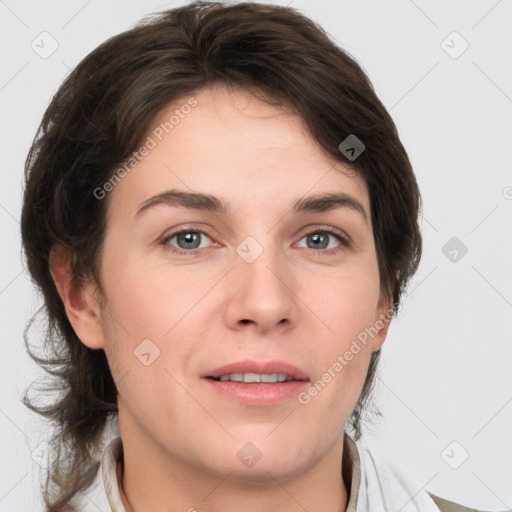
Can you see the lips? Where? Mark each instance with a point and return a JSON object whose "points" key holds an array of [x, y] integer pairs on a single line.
{"points": [[253, 390], [258, 367]]}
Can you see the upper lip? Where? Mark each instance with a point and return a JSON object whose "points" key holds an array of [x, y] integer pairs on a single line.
{"points": [[249, 366]]}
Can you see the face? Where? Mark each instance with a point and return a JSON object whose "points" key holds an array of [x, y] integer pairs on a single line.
{"points": [[262, 277]]}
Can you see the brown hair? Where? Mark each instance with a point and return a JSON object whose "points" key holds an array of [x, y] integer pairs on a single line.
{"points": [[97, 119]]}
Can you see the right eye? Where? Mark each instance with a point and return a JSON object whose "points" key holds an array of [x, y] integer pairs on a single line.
{"points": [[188, 241]]}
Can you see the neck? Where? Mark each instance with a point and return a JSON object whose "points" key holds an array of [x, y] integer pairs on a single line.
{"points": [[319, 489]]}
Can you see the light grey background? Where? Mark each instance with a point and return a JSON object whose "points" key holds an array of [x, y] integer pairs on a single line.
{"points": [[445, 374]]}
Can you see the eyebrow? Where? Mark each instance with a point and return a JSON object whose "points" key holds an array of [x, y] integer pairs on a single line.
{"points": [[206, 202]]}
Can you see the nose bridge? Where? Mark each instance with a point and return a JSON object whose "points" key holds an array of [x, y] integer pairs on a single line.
{"points": [[261, 287]]}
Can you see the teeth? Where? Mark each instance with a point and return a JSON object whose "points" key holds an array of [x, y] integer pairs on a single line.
{"points": [[256, 377]]}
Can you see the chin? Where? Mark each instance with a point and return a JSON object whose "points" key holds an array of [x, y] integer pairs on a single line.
{"points": [[261, 462], [265, 473]]}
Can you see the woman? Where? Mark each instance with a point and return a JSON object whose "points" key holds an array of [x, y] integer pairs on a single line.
{"points": [[222, 220]]}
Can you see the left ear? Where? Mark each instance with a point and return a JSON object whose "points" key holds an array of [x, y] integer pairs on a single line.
{"points": [[383, 316]]}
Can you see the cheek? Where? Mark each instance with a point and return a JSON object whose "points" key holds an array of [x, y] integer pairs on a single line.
{"points": [[346, 304], [149, 301], [347, 308], [150, 322]]}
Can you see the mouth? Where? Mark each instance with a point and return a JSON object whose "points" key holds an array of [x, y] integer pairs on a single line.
{"points": [[251, 371], [255, 378], [258, 383]]}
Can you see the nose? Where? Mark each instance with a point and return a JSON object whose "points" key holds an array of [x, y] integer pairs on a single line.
{"points": [[261, 295]]}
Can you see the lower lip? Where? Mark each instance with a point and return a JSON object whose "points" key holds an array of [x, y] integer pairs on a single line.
{"points": [[258, 393]]}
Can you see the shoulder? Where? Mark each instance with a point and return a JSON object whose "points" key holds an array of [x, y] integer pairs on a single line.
{"points": [[450, 506]]}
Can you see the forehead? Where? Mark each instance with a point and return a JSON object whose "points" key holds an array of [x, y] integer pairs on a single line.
{"points": [[234, 146]]}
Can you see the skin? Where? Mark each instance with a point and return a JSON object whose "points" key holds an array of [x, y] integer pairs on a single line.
{"points": [[303, 306]]}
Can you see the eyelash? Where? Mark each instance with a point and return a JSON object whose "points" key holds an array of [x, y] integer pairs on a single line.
{"points": [[342, 238]]}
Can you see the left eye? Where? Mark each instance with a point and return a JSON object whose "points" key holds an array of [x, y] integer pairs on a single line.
{"points": [[320, 239]]}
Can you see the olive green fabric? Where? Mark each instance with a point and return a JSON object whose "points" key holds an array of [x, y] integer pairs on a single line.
{"points": [[450, 506]]}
